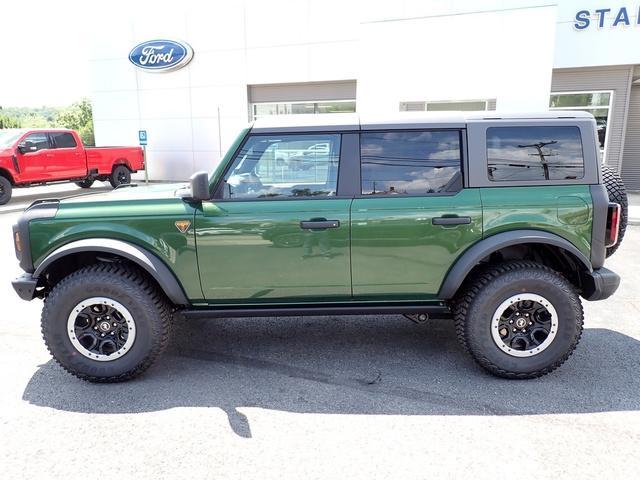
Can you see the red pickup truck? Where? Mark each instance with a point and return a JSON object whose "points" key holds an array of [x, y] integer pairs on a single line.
{"points": [[39, 156]]}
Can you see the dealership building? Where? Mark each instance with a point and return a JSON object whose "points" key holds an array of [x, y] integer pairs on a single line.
{"points": [[249, 59]]}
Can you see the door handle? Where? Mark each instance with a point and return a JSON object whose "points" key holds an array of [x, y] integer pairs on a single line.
{"points": [[319, 224], [49, 155], [451, 220]]}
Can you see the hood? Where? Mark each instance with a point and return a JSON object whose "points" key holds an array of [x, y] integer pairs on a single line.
{"points": [[132, 193], [139, 200], [6, 152]]}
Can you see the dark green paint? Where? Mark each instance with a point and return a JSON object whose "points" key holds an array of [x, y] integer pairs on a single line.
{"points": [[144, 216], [396, 250], [563, 210], [255, 251]]}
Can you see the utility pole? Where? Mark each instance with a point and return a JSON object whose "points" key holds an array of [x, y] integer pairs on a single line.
{"points": [[543, 159]]}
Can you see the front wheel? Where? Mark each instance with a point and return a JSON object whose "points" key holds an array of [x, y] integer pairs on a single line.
{"points": [[519, 319], [5, 190], [106, 323], [121, 175]]}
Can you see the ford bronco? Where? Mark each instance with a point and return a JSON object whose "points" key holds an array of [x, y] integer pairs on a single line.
{"points": [[498, 222]]}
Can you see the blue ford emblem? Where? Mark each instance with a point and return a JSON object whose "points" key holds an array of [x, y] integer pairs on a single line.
{"points": [[161, 55]]}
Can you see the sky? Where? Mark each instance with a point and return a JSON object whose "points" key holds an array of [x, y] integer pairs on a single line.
{"points": [[45, 52]]}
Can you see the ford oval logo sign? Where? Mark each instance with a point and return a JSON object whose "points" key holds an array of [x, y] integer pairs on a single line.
{"points": [[161, 55]]}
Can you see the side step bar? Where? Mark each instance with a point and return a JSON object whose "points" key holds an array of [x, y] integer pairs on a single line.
{"points": [[434, 310]]}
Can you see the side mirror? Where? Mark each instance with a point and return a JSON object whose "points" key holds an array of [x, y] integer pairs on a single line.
{"points": [[200, 186], [27, 147]]}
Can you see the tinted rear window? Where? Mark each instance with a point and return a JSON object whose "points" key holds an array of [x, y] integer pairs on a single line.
{"points": [[63, 140], [410, 163], [534, 153]]}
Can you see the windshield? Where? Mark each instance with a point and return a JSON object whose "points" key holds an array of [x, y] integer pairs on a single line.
{"points": [[9, 136]]}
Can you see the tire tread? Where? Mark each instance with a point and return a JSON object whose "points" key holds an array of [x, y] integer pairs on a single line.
{"points": [[473, 287], [108, 271]]}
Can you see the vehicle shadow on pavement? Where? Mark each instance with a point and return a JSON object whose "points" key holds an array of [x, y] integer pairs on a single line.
{"points": [[360, 365]]}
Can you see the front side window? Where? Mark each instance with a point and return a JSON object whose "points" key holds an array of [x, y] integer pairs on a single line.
{"points": [[410, 163], [63, 140], [279, 166], [38, 140], [534, 153]]}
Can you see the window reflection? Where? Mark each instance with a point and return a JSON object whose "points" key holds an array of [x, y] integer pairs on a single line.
{"points": [[409, 163], [534, 153], [285, 166]]}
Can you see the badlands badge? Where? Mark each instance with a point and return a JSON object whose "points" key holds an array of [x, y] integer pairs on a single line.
{"points": [[183, 225]]}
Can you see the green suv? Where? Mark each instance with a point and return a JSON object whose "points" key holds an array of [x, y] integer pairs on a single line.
{"points": [[500, 223]]}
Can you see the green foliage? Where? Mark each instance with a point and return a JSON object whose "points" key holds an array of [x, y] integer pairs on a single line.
{"points": [[9, 122], [77, 116]]}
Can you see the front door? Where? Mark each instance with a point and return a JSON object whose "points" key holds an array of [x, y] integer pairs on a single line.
{"points": [[413, 217], [35, 156], [278, 231]]}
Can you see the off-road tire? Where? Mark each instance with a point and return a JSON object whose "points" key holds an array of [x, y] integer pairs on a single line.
{"points": [[479, 298], [86, 183], [5, 190], [126, 285], [119, 176], [618, 194]]}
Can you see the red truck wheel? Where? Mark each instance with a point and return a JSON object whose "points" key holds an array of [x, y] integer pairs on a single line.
{"points": [[120, 176], [85, 183], [5, 190]]}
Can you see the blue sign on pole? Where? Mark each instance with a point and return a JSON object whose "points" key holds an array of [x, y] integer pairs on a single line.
{"points": [[142, 136]]}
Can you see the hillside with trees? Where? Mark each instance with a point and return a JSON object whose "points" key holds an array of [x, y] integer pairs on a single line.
{"points": [[77, 116]]}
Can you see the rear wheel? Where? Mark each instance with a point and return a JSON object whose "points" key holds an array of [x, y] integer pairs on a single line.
{"points": [[519, 319], [120, 176], [106, 323], [5, 190], [618, 194], [86, 183]]}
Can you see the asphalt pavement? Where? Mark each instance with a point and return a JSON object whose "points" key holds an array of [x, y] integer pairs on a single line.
{"points": [[324, 397]]}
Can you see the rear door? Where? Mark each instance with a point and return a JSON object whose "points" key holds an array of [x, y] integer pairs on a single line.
{"points": [[413, 216], [68, 159], [277, 231]]}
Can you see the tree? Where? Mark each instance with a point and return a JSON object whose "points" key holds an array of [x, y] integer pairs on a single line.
{"points": [[9, 122], [78, 117]]}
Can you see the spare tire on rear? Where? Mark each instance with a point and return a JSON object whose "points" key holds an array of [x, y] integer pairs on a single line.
{"points": [[618, 194]]}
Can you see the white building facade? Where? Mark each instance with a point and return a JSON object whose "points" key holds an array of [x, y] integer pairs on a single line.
{"points": [[254, 58]]}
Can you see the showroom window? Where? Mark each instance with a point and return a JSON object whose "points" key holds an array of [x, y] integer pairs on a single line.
{"points": [[410, 163], [277, 166], [448, 106], [259, 110], [534, 153], [596, 103]]}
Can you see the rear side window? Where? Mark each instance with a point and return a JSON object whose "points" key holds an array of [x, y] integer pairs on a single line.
{"points": [[410, 163], [63, 140], [534, 153]]}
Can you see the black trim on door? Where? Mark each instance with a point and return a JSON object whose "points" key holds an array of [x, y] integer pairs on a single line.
{"points": [[349, 166]]}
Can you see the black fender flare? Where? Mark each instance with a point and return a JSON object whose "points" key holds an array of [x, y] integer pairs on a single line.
{"points": [[138, 255], [472, 256]]}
